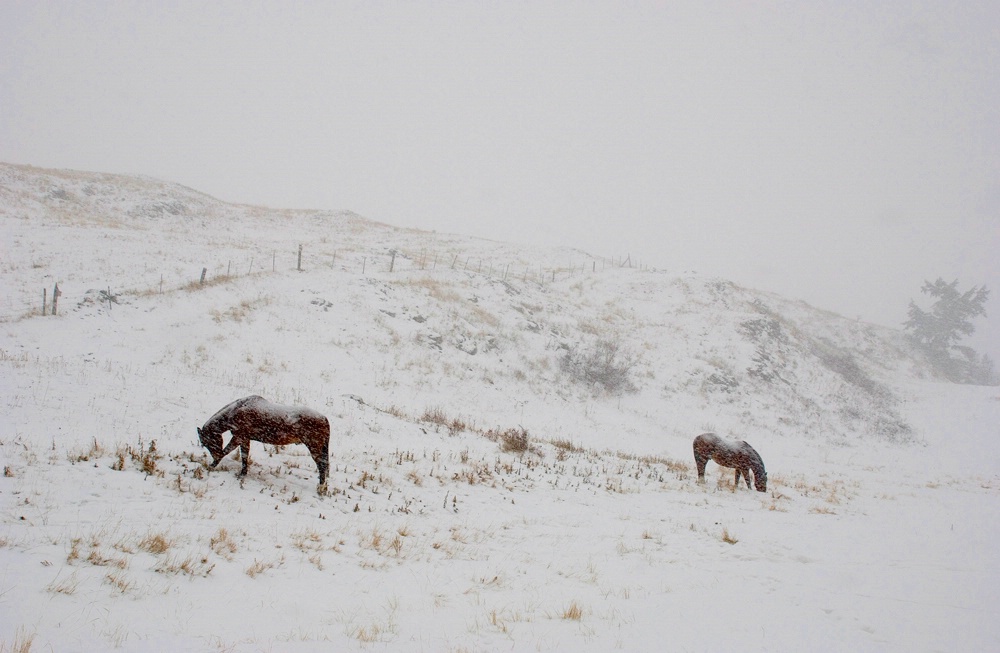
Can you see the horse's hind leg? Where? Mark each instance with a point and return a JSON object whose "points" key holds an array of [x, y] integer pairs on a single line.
{"points": [[321, 454], [245, 455]]}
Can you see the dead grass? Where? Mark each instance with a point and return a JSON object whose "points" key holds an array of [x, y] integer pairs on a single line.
{"points": [[120, 581], [514, 440], [727, 537], [259, 567], [190, 565], [572, 612], [21, 644], [67, 586], [223, 544], [155, 543], [241, 311]]}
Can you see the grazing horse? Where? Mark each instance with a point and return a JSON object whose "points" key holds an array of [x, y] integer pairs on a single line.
{"points": [[709, 446], [256, 418]]}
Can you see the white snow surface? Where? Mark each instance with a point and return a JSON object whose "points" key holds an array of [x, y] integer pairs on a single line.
{"points": [[877, 532]]}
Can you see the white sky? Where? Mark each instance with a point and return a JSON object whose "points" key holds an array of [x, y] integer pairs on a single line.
{"points": [[837, 152]]}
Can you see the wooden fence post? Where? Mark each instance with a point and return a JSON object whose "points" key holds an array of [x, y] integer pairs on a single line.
{"points": [[55, 298], [392, 263], [204, 271], [300, 259], [45, 300]]}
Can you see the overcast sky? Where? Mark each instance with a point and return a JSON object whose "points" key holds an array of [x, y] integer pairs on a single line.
{"points": [[837, 152]]}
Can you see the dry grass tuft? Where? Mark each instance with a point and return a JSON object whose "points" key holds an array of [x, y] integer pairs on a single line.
{"points": [[223, 544], [67, 586], [155, 543], [727, 537], [21, 644], [434, 415], [191, 565], [258, 568], [515, 440], [573, 612]]}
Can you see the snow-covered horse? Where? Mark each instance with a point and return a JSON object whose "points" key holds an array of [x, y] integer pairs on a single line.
{"points": [[709, 446], [256, 418]]}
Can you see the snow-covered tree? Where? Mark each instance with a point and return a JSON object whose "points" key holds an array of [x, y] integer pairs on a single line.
{"points": [[939, 331]]}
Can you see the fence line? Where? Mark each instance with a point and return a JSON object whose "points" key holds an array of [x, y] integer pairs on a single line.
{"points": [[392, 262]]}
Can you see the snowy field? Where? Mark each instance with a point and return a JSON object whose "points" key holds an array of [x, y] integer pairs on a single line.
{"points": [[437, 358]]}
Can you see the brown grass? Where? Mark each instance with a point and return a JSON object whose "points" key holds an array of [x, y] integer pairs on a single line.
{"points": [[155, 543], [21, 644], [573, 612], [222, 543]]}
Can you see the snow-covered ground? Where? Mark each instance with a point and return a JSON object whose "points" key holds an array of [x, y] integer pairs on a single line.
{"points": [[877, 531]]}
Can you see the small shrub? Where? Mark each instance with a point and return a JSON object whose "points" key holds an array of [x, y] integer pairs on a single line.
{"points": [[606, 365], [148, 458], [515, 441]]}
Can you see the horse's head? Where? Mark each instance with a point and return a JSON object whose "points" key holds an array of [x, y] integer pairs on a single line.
{"points": [[760, 480], [211, 440]]}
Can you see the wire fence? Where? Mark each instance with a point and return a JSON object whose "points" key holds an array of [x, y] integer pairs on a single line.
{"points": [[63, 297]]}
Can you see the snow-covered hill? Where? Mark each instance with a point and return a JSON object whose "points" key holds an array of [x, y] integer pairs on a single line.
{"points": [[425, 350]]}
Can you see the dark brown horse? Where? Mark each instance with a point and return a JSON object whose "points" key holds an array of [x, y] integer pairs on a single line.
{"points": [[709, 446], [256, 418]]}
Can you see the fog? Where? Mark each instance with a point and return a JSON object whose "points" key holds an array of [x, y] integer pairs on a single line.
{"points": [[835, 153]]}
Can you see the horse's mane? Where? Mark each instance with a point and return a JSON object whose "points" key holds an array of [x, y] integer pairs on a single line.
{"points": [[227, 410]]}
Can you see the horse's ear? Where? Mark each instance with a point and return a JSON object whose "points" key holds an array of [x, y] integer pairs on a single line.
{"points": [[199, 430]]}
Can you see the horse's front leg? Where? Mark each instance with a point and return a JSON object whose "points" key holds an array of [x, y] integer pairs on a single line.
{"points": [[233, 443], [700, 463], [245, 455], [746, 476]]}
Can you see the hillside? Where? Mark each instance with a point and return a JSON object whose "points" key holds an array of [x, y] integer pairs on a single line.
{"points": [[428, 352]]}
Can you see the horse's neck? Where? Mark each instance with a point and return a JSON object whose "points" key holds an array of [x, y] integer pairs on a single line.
{"points": [[753, 458], [220, 422]]}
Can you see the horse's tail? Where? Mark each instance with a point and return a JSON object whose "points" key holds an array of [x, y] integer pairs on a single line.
{"points": [[324, 462]]}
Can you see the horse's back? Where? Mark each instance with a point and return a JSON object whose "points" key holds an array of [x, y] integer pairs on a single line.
{"points": [[289, 414], [232, 408], [707, 441]]}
